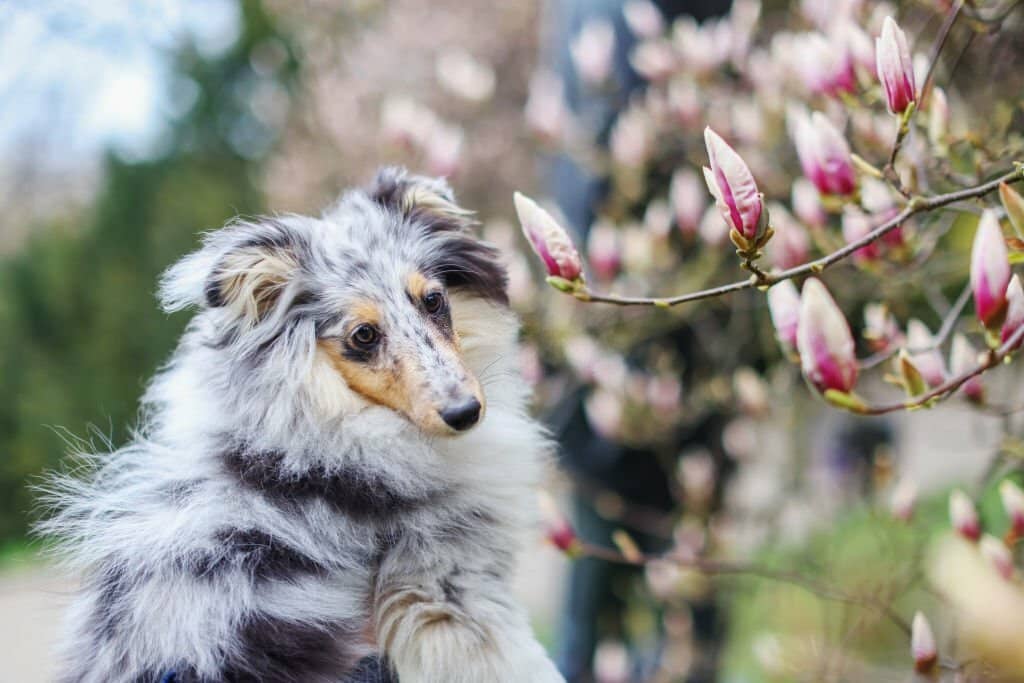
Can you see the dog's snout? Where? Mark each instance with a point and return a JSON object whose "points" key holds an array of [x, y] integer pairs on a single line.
{"points": [[462, 416]]}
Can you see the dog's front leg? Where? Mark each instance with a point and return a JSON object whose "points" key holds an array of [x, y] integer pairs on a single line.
{"points": [[459, 627]]}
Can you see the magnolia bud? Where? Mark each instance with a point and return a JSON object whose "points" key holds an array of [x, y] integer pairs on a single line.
{"points": [[856, 226], [1014, 205], [557, 529], [895, 67], [963, 358], [824, 341], [643, 18], [880, 328], [998, 555], [824, 154], [922, 645], [807, 203], [964, 516], [604, 251], [592, 51], [784, 307], [1014, 311], [904, 500], [790, 245], [688, 200], [990, 271], [732, 185], [926, 357], [549, 240], [1013, 502]]}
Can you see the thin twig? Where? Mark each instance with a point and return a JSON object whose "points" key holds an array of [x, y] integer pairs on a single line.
{"points": [[915, 206]]}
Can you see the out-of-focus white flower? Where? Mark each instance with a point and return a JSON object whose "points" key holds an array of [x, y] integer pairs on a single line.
{"points": [[895, 68], [664, 394], [604, 252], [557, 528], [658, 218], [938, 119], [856, 226], [686, 193], [824, 341], [990, 271], [684, 101], [784, 307], [1013, 502], [643, 18], [702, 47], [546, 114], [751, 392], [963, 358], [593, 50], [963, 516], [443, 150], [806, 203], [1014, 312], [880, 327], [925, 355], [998, 555], [631, 138], [904, 500], [655, 59], [463, 75], [824, 65], [405, 121], [582, 353], [713, 231], [790, 246], [604, 410], [922, 645]]}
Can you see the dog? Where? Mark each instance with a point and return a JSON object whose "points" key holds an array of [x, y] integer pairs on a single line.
{"points": [[336, 464]]}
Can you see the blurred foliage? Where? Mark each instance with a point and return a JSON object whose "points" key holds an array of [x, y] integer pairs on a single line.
{"points": [[82, 329]]}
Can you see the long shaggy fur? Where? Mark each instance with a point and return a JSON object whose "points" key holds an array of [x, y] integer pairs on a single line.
{"points": [[271, 523]]}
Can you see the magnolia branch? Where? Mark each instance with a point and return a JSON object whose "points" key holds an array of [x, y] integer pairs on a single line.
{"points": [[915, 206]]}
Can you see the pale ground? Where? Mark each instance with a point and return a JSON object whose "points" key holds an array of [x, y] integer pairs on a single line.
{"points": [[935, 447]]}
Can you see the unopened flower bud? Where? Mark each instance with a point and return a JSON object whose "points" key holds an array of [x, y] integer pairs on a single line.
{"points": [[880, 327], [557, 529], [806, 203], [990, 271], [784, 307], [1014, 311], [593, 50], [922, 645], [604, 253], [895, 67], [732, 185], [790, 245], [926, 357], [963, 358], [1013, 502], [998, 555], [824, 154], [1013, 203], [904, 500], [824, 341], [549, 240], [856, 226], [964, 516]]}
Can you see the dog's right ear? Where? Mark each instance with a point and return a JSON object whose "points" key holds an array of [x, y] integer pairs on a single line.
{"points": [[244, 268]]}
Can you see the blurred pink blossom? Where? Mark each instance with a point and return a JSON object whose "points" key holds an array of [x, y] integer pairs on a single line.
{"points": [[880, 327], [925, 356], [643, 18], [806, 203], [998, 555], [990, 271], [784, 307], [963, 516], [1014, 311], [963, 358], [922, 645], [604, 252], [857, 225], [824, 341], [593, 50], [545, 111], [790, 246], [1012, 498], [686, 193], [823, 152]]}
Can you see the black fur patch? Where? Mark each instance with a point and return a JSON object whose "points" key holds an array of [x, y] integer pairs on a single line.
{"points": [[257, 554], [464, 262], [112, 586], [352, 490]]}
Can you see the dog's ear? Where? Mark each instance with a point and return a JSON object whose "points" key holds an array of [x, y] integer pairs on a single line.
{"points": [[244, 268], [424, 200]]}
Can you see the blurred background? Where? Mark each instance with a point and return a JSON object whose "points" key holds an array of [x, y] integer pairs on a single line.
{"points": [[129, 128]]}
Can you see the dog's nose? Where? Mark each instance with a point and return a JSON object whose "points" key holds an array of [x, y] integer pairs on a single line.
{"points": [[462, 416]]}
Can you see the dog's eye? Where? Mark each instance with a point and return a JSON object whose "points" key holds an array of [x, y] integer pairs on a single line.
{"points": [[433, 302], [366, 336]]}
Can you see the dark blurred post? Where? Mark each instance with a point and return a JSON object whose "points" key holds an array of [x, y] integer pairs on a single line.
{"points": [[639, 477]]}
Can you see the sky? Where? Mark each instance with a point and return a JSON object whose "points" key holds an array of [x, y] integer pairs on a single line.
{"points": [[77, 76]]}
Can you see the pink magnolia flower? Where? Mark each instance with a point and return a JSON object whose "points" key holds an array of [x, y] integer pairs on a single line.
{"points": [[880, 327], [688, 200], [963, 358], [824, 154], [964, 516], [926, 358], [856, 225], [806, 203], [549, 240], [784, 307], [790, 245], [1014, 311], [592, 51], [732, 185], [545, 112], [643, 18], [631, 138], [998, 555], [990, 271], [824, 341], [895, 67], [922, 645], [1013, 502], [604, 252], [824, 64]]}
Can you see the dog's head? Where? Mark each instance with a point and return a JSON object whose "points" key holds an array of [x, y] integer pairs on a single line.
{"points": [[358, 304]]}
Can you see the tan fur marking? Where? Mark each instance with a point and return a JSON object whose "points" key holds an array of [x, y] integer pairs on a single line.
{"points": [[250, 279], [365, 312], [383, 386], [416, 284]]}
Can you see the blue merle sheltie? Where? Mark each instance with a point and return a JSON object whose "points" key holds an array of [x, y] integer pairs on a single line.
{"points": [[335, 467]]}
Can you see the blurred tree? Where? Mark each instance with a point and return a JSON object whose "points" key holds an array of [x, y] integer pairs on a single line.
{"points": [[82, 330]]}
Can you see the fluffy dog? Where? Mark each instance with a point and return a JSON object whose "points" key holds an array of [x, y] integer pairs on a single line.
{"points": [[336, 463]]}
